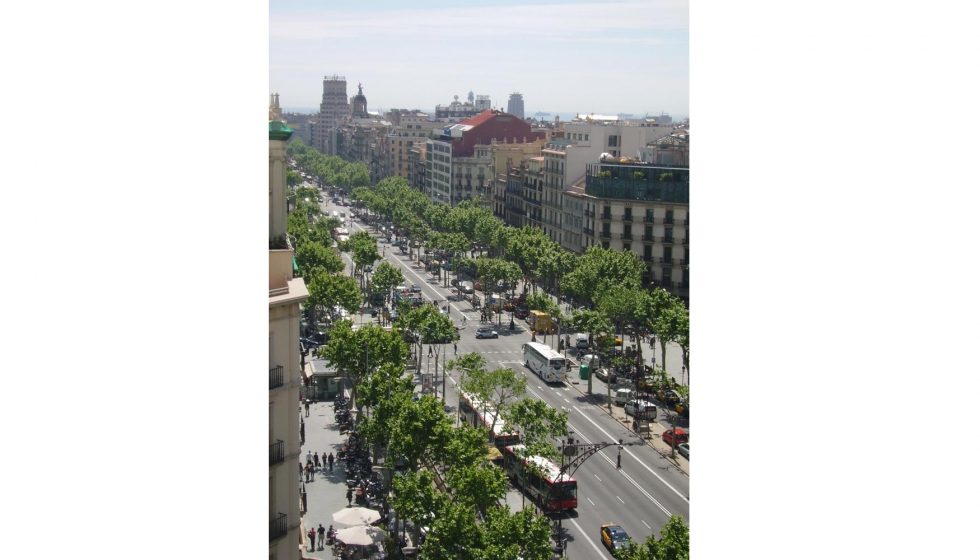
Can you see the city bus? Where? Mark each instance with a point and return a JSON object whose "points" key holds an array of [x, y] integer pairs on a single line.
{"points": [[472, 411], [545, 362], [540, 477]]}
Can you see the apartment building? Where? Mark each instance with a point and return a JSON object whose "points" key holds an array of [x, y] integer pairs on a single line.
{"points": [[409, 128], [502, 156], [639, 207], [454, 171], [286, 293]]}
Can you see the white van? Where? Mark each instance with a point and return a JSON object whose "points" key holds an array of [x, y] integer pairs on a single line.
{"points": [[581, 340], [643, 409], [624, 396]]}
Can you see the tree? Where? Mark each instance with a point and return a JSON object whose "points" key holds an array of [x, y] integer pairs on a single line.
{"points": [[331, 290], [356, 353], [601, 269], [293, 178], [386, 277], [314, 258], [415, 498], [385, 391], [593, 323], [521, 535], [421, 432], [478, 486], [454, 534], [673, 544], [496, 388]]}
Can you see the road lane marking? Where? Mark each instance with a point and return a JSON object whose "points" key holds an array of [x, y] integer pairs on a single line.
{"points": [[570, 402], [623, 472], [638, 460], [645, 523], [591, 502], [597, 477], [583, 533], [620, 500]]}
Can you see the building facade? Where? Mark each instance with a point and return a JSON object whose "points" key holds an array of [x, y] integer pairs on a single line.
{"points": [[409, 129], [458, 111], [643, 208], [454, 169], [286, 293], [333, 110]]}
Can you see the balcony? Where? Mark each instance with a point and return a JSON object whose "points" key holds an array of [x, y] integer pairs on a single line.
{"points": [[666, 284], [648, 219], [605, 216], [278, 527], [605, 235], [648, 238], [468, 175], [686, 262], [685, 241], [588, 231], [275, 377], [666, 240], [687, 221], [669, 221], [630, 189], [277, 452], [648, 258], [626, 236], [666, 261], [627, 217], [590, 214]]}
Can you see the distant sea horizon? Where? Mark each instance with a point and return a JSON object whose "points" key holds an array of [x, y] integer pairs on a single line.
{"points": [[565, 116]]}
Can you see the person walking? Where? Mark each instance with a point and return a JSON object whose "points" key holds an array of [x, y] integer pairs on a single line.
{"points": [[312, 536], [455, 349], [309, 457], [330, 461], [320, 533], [307, 404], [324, 459], [316, 460], [350, 496]]}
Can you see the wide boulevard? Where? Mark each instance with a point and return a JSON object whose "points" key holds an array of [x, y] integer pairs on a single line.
{"points": [[640, 496]]}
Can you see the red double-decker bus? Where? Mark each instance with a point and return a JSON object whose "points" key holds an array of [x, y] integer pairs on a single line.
{"points": [[540, 477]]}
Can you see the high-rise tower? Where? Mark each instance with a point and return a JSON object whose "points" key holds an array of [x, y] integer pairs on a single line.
{"points": [[333, 109], [515, 105]]}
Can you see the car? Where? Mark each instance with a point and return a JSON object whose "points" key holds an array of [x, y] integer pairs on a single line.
{"points": [[668, 436], [416, 288], [683, 409], [614, 537], [605, 375], [486, 332], [466, 287], [685, 450], [522, 312], [668, 397], [645, 408]]}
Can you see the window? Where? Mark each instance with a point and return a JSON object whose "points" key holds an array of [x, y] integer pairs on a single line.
{"points": [[626, 247], [605, 244]]}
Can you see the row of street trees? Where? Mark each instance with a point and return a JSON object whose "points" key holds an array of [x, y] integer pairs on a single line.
{"points": [[326, 170]]}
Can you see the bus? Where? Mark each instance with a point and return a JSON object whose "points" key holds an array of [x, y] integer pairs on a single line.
{"points": [[474, 412], [545, 362], [542, 478], [341, 234]]}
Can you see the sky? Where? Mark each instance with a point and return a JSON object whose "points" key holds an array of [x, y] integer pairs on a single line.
{"points": [[564, 56]]}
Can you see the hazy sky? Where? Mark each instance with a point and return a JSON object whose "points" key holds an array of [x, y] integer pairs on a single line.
{"points": [[563, 56]]}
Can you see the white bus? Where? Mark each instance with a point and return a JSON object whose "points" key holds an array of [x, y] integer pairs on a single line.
{"points": [[545, 362]]}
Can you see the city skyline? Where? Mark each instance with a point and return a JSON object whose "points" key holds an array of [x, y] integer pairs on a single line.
{"points": [[564, 57]]}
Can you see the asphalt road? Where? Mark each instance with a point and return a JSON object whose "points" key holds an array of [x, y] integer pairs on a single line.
{"points": [[640, 496]]}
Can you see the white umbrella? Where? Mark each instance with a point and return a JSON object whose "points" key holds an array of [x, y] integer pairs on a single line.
{"points": [[362, 535], [356, 516]]}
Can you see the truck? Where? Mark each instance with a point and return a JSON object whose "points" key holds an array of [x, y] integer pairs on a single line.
{"points": [[539, 321]]}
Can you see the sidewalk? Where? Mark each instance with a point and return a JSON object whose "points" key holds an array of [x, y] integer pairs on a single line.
{"points": [[327, 493]]}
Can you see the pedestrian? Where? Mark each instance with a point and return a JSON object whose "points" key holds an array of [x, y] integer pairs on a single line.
{"points": [[330, 461], [321, 534], [316, 460], [455, 349], [307, 404], [324, 459], [312, 537], [331, 535], [301, 469], [350, 496], [309, 457]]}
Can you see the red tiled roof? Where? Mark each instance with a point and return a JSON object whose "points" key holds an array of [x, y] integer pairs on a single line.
{"points": [[483, 117]]}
